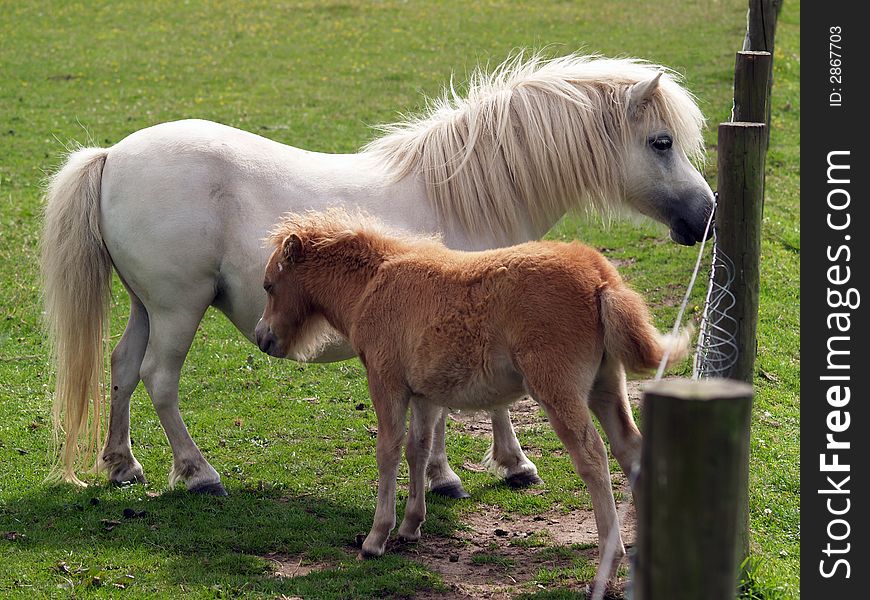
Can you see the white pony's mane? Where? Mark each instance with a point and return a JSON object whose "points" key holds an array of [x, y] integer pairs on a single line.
{"points": [[535, 136]]}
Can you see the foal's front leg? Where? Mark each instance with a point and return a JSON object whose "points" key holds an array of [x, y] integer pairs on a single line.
{"points": [[391, 406], [423, 417]]}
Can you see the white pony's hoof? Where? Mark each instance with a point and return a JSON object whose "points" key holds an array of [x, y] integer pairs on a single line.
{"points": [[412, 536], [521, 475], [123, 473], [523, 479], [451, 490], [209, 489], [371, 549]]}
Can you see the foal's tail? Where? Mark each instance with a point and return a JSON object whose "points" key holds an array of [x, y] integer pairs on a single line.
{"points": [[76, 277], [630, 336]]}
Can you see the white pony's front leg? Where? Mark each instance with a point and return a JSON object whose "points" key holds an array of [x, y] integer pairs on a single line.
{"points": [[505, 457], [442, 479]]}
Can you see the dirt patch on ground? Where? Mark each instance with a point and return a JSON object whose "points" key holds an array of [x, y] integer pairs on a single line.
{"points": [[498, 555], [501, 555], [559, 528], [621, 262], [287, 566]]}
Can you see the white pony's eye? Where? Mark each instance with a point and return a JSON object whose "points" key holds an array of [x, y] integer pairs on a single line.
{"points": [[661, 142]]}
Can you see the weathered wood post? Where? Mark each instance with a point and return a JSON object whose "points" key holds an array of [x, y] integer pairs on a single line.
{"points": [[741, 160], [751, 92], [760, 34], [761, 24], [738, 233], [689, 488], [742, 149]]}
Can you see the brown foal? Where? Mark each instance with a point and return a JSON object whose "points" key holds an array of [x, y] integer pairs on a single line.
{"points": [[471, 330]]}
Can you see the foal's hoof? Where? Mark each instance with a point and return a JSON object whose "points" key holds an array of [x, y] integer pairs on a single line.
{"points": [[523, 480], [209, 489], [451, 490]]}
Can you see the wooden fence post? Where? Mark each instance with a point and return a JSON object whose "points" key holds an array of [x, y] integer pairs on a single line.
{"points": [[742, 148], [761, 24], [760, 34], [689, 489], [751, 91], [738, 234]]}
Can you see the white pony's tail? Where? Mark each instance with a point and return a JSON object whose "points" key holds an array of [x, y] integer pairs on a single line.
{"points": [[76, 277]]}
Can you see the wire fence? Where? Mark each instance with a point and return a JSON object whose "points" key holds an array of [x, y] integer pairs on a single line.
{"points": [[717, 351]]}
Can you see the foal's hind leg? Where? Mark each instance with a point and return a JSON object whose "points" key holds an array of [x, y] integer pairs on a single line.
{"points": [[564, 396], [171, 334], [589, 456], [609, 401], [117, 456], [506, 457]]}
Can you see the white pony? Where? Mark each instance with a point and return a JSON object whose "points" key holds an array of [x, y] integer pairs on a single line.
{"points": [[180, 211]]}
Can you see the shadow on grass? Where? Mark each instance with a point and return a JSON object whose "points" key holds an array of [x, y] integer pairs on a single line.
{"points": [[216, 545]]}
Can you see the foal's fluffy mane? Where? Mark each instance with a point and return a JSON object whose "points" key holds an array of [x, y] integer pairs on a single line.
{"points": [[535, 136], [336, 224]]}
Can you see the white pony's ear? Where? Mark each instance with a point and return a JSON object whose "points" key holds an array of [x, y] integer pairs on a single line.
{"points": [[640, 94]]}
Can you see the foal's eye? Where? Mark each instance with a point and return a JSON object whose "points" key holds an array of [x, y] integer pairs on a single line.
{"points": [[662, 142]]}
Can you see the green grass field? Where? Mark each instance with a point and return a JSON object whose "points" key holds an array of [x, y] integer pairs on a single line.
{"points": [[294, 451]]}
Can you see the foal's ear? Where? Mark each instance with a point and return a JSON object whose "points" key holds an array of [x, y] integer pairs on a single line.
{"points": [[640, 94], [291, 248]]}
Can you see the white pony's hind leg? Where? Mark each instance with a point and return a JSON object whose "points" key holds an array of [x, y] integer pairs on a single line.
{"points": [[505, 457], [442, 479], [117, 458], [171, 333]]}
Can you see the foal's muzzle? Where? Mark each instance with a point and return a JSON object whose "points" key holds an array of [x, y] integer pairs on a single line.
{"points": [[266, 340]]}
